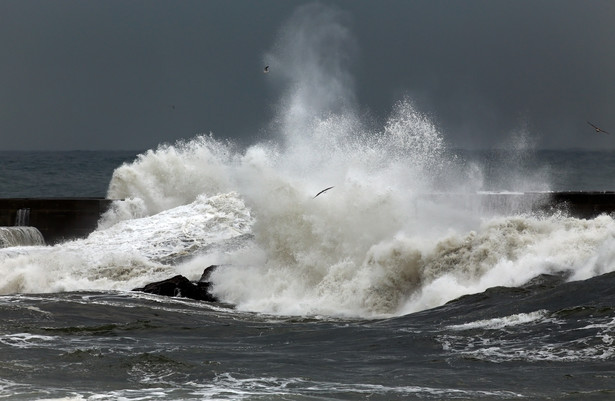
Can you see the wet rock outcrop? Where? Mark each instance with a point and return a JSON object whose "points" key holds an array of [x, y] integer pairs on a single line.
{"points": [[180, 286]]}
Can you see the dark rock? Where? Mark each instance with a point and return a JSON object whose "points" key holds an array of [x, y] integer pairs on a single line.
{"points": [[207, 273], [180, 286], [204, 283]]}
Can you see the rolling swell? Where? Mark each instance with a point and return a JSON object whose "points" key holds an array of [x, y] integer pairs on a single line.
{"points": [[551, 292], [547, 320]]}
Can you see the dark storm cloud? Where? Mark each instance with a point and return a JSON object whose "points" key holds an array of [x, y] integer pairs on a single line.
{"points": [[132, 74]]}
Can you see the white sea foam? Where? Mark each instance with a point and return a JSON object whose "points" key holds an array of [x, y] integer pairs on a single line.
{"points": [[509, 251], [9, 388], [590, 343], [239, 388], [171, 176], [500, 323], [227, 387], [131, 252], [25, 340]]}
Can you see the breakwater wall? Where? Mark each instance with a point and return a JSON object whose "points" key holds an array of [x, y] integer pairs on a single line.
{"points": [[582, 205], [58, 219]]}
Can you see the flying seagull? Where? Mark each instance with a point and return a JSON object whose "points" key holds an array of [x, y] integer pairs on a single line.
{"points": [[322, 192], [266, 70], [598, 129]]}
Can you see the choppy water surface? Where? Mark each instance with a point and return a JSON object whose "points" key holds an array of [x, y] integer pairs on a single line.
{"points": [[548, 339]]}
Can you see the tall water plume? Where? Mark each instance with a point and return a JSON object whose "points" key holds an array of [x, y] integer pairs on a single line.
{"points": [[340, 252], [310, 65]]}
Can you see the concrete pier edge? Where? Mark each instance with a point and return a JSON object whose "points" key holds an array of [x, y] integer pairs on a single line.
{"points": [[58, 219], [61, 219]]}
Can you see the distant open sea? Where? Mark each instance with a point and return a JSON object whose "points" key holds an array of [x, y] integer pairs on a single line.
{"points": [[88, 173], [59, 174], [347, 296]]}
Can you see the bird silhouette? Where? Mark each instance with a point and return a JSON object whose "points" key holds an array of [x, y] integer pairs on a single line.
{"points": [[266, 69], [322, 192], [598, 129]]}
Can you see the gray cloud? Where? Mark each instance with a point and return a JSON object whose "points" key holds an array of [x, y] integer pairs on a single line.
{"points": [[129, 75]]}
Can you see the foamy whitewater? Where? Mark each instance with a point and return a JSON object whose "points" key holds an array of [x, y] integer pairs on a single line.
{"points": [[371, 246]]}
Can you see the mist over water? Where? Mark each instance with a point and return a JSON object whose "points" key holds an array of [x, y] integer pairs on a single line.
{"points": [[370, 246]]}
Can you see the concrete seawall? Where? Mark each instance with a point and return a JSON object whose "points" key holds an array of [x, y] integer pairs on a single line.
{"points": [[576, 204], [584, 204], [60, 219]]}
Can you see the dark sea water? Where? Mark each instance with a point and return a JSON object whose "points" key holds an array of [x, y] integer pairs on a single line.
{"points": [[498, 307], [546, 340], [556, 170], [59, 174], [88, 173]]}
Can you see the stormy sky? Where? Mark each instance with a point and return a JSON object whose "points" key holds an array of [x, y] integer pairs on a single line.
{"points": [[118, 74]]}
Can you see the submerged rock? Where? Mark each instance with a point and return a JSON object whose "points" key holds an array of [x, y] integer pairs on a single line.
{"points": [[180, 286]]}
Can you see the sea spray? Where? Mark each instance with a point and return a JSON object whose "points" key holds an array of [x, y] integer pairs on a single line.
{"points": [[515, 164], [311, 62], [173, 175]]}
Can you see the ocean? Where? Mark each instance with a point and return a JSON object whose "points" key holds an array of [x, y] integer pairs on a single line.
{"points": [[359, 293], [390, 285]]}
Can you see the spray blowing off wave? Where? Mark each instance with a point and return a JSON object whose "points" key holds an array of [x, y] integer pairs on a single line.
{"points": [[311, 58], [172, 175], [322, 139], [328, 253]]}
